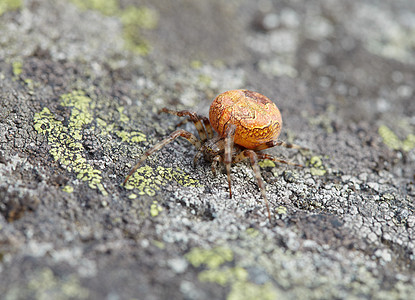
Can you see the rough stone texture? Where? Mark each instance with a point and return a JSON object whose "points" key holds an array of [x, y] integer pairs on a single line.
{"points": [[80, 86]]}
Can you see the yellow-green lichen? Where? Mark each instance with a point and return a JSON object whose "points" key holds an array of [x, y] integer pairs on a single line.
{"points": [[266, 163], [9, 5], [242, 290], [393, 142], [389, 35], [17, 67], [125, 136], [46, 285], [155, 209], [196, 64], [324, 120], [123, 117], [236, 277], [159, 244], [134, 20], [30, 84], [43, 284], [68, 189], [205, 79], [135, 42], [140, 17], [106, 7], [282, 210], [148, 180], [212, 258], [252, 232], [81, 107], [132, 196], [223, 276], [65, 140], [316, 166], [104, 127], [130, 137]]}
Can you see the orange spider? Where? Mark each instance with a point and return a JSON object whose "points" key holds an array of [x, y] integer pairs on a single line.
{"points": [[246, 122]]}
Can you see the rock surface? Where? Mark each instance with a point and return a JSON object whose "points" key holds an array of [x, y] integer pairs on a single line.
{"points": [[80, 86]]}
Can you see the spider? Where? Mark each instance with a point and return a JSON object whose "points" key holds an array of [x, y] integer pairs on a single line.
{"points": [[246, 122]]}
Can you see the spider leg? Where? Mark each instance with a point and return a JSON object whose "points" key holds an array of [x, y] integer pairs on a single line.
{"points": [[174, 135], [253, 157], [229, 137], [208, 127], [271, 144], [206, 122], [195, 118], [216, 160], [182, 122], [270, 157]]}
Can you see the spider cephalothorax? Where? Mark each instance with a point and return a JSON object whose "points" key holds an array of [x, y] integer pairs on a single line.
{"points": [[246, 122]]}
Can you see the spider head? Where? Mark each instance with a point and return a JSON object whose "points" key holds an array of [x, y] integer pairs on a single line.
{"points": [[213, 148]]}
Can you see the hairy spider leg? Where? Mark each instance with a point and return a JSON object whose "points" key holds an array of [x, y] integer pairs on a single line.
{"points": [[215, 162], [208, 127], [174, 135], [181, 123], [206, 122], [229, 137], [270, 157], [271, 144], [253, 157], [203, 132]]}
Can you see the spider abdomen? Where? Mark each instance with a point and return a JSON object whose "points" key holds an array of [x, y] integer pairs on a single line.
{"points": [[257, 119]]}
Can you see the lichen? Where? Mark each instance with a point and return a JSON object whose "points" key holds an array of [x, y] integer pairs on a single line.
{"points": [[385, 32], [155, 209], [65, 139], [141, 17], [9, 5], [159, 244], [132, 196], [393, 142], [68, 189], [252, 232], [282, 210], [223, 276], [219, 271], [106, 7], [266, 163], [130, 137], [134, 20], [212, 258], [43, 284], [242, 290], [148, 180], [17, 67], [316, 166]]}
